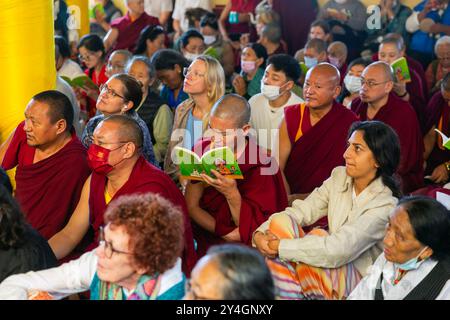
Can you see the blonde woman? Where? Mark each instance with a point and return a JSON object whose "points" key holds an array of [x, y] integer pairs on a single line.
{"points": [[205, 83]]}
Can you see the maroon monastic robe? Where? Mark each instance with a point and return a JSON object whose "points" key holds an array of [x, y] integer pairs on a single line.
{"points": [[438, 115], [318, 151], [48, 190], [262, 195], [144, 178], [129, 31], [401, 117]]}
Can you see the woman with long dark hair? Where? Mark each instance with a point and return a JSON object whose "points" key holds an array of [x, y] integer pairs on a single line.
{"points": [[357, 199]]}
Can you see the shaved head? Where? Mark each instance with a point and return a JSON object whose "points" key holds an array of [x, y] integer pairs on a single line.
{"points": [[127, 129], [232, 107], [326, 71], [382, 68], [396, 37]]}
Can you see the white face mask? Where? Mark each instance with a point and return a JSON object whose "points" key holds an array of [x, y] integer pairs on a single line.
{"points": [[310, 62], [191, 56], [209, 39], [352, 83], [340, 1]]}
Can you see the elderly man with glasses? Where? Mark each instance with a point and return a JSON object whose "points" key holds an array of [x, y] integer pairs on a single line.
{"points": [[377, 101]]}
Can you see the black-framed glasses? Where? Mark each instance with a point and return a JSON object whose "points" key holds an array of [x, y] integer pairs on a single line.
{"points": [[109, 249], [110, 92]]}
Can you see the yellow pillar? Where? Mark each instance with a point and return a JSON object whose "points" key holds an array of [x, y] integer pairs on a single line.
{"points": [[27, 57]]}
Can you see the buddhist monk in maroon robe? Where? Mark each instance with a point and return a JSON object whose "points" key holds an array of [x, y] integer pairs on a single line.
{"points": [[118, 169], [378, 102], [438, 117], [390, 50], [313, 135], [50, 160], [125, 30], [225, 209]]}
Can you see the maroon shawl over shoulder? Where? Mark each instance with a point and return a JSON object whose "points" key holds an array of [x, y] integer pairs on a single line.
{"points": [[47, 191], [319, 150], [129, 31], [401, 117], [144, 178], [262, 195], [438, 111]]}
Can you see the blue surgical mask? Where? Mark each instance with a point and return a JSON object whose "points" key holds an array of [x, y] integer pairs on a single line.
{"points": [[411, 264], [311, 62]]}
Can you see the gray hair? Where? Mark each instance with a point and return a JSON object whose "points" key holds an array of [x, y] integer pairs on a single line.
{"points": [[445, 40], [150, 67]]}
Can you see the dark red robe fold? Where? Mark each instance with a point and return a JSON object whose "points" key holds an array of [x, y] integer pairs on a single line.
{"points": [[438, 115], [144, 178], [262, 195], [129, 31], [401, 117], [47, 191]]}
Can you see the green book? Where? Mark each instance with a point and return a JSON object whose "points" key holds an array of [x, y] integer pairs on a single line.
{"points": [[220, 159], [80, 82], [212, 52], [401, 70], [445, 139]]}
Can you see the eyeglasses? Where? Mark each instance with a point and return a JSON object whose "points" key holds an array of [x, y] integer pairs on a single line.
{"points": [[371, 83], [214, 132], [188, 289], [86, 57], [110, 92], [109, 249], [115, 67], [195, 74]]}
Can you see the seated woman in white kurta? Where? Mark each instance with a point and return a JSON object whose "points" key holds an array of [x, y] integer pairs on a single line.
{"points": [[415, 264], [357, 199], [137, 258]]}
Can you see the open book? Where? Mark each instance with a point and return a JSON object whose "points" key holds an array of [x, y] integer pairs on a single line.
{"points": [[80, 82], [401, 70], [220, 159], [445, 139]]}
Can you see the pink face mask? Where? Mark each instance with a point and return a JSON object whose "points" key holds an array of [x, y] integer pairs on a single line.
{"points": [[248, 66]]}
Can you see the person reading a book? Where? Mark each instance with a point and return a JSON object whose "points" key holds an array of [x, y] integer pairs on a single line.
{"points": [[410, 90], [122, 267], [357, 199], [92, 55], [153, 109], [169, 65], [125, 30], [436, 155], [415, 264], [121, 94], [225, 209], [51, 165], [377, 102], [205, 83], [118, 169], [313, 134]]}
